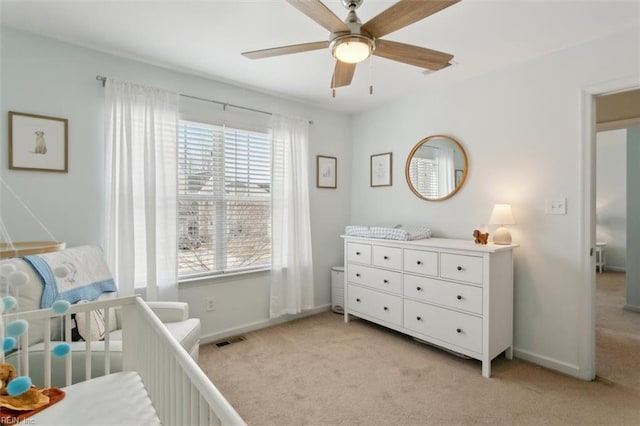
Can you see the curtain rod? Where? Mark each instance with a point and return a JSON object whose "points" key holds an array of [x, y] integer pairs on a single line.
{"points": [[103, 79]]}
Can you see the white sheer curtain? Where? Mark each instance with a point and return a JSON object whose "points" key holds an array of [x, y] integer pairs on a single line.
{"points": [[446, 170], [292, 265], [140, 174]]}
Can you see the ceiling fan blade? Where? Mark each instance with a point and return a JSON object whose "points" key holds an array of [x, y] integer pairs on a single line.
{"points": [[413, 55], [403, 13], [320, 13], [342, 74], [285, 50]]}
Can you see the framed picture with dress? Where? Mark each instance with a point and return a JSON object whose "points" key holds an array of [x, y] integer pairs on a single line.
{"points": [[326, 172], [382, 169]]}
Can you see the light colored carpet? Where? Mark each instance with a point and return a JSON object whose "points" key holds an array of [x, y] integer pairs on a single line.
{"points": [[617, 333], [321, 371]]}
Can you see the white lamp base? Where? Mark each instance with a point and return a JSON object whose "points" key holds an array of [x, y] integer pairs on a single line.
{"points": [[502, 236]]}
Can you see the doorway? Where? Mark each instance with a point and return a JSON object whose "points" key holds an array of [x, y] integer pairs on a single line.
{"points": [[595, 344], [617, 330]]}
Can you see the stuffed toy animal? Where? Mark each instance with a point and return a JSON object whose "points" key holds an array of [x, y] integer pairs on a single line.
{"points": [[30, 400], [7, 374], [480, 237]]}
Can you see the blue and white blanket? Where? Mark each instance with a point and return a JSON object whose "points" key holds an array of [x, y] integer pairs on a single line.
{"points": [[402, 233], [87, 279]]}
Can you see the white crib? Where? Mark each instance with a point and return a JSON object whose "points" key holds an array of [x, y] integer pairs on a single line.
{"points": [[160, 383]]}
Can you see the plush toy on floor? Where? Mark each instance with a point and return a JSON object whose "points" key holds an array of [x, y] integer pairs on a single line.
{"points": [[480, 237]]}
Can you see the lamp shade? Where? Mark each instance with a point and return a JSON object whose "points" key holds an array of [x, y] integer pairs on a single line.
{"points": [[501, 215]]}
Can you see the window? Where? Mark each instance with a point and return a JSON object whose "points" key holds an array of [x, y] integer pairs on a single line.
{"points": [[224, 199], [423, 173]]}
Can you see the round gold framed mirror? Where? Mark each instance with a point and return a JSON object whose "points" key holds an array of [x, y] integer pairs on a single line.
{"points": [[436, 168]]}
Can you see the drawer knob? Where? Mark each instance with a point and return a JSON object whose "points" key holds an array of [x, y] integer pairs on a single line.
{"points": [[419, 262], [358, 300], [459, 268], [419, 288], [385, 308], [386, 281], [459, 297], [357, 253], [458, 330], [357, 275], [419, 318], [386, 258]]}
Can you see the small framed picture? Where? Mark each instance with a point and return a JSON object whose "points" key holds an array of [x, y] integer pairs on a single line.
{"points": [[382, 169], [37, 142], [326, 172]]}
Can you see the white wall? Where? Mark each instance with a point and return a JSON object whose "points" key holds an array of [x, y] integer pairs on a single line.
{"points": [[611, 196], [633, 215], [521, 128], [47, 77]]}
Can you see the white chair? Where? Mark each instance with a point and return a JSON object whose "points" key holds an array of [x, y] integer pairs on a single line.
{"points": [[174, 315], [601, 255]]}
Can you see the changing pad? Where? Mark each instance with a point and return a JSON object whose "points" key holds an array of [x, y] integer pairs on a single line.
{"points": [[399, 232]]}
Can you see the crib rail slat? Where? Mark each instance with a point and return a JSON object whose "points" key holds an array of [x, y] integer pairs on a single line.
{"points": [[87, 346], [47, 353], [68, 362], [107, 341], [24, 356]]}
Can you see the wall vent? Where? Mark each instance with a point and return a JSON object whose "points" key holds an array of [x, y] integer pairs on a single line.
{"points": [[229, 340]]}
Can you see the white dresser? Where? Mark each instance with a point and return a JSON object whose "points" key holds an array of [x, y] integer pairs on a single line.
{"points": [[453, 293]]}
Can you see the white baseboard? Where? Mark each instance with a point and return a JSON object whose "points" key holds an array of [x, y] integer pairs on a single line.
{"points": [[550, 363], [615, 268], [234, 331], [631, 308]]}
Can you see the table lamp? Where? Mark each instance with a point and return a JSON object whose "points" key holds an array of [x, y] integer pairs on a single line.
{"points": [[501, 215]]}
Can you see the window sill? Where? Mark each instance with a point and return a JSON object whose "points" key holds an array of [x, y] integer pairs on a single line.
{"points": [[200, 279]]}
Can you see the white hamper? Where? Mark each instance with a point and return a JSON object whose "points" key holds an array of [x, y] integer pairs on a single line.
{"points": [[337, 289]]}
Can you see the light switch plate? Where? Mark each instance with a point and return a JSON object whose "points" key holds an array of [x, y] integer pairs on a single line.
{"points": [[556, 206]]}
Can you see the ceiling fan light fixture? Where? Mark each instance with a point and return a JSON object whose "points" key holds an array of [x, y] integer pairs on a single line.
{"points": [[352, 49]]}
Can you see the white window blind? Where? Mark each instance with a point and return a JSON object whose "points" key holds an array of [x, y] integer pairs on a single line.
{"points": [[423, 173], [224, 199]]}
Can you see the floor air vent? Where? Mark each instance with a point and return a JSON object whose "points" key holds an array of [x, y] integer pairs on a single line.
{"points": [[229, 340]]}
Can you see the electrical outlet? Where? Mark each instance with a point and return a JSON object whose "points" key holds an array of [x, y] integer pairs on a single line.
{"points": [[211, 304]]}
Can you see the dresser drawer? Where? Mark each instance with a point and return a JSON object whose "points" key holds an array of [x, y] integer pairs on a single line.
{"points": [[461, 268], [456, 328], [387, 257], [458, 296], [360, 253], [385, 307], [375, 278], [421, 262]]}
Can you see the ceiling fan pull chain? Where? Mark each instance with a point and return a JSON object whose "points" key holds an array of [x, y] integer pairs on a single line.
{"points": [[334, 92], [371, 75]]}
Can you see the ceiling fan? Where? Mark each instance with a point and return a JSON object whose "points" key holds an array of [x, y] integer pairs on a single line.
{"points": [[352, 42]]}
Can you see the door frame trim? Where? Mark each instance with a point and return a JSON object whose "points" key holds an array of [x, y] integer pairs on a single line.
{"points": [[587, 183]]}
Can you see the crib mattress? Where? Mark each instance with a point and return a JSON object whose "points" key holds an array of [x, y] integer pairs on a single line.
{"points": [[115, 399]]}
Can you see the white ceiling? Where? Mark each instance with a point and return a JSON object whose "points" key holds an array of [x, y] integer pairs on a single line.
{"points": [[207, 37]]}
